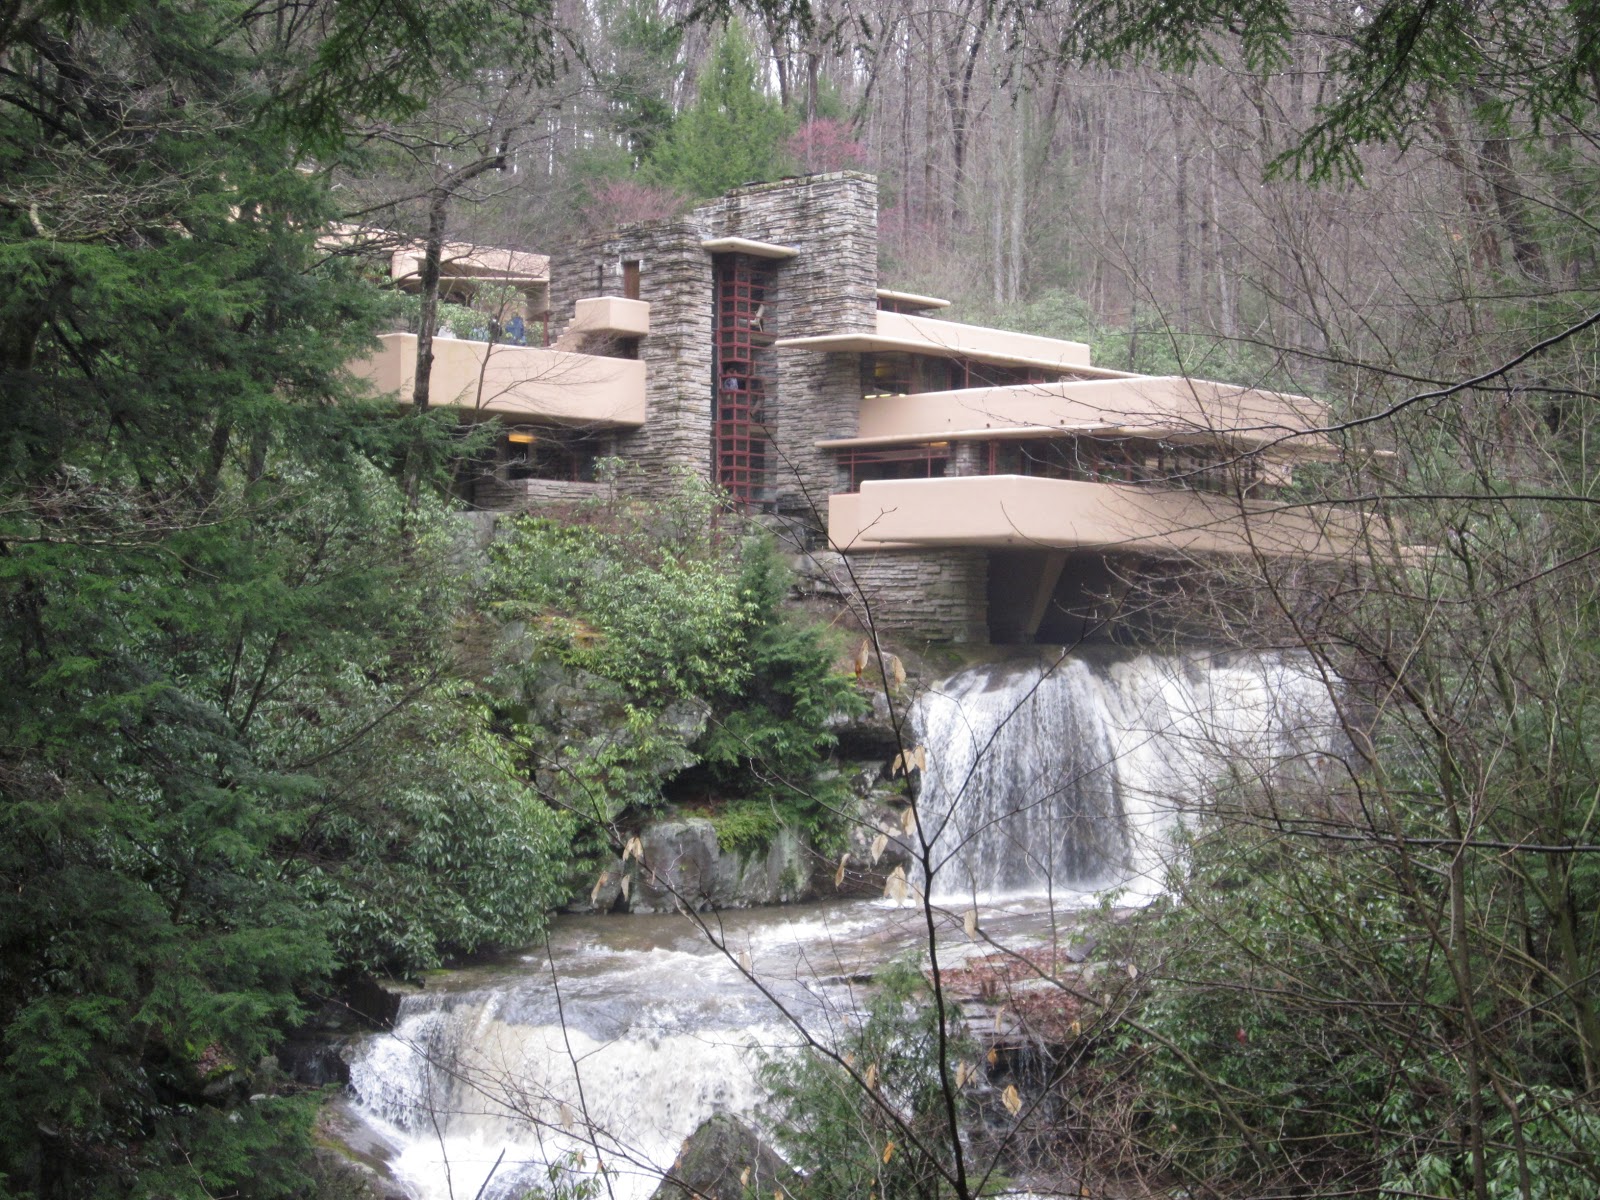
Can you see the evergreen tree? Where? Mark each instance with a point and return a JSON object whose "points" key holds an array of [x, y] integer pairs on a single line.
{"points": [[733, 133], [639, 87], [232, 759]]}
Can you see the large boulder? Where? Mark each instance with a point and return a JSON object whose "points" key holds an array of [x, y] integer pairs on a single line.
{"points": [[726, 1160], [682, 865]]}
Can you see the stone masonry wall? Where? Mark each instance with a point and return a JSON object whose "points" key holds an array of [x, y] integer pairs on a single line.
{"points": [[675, 279], [832, 220], [522, 495], [829, 287], [938, 595], [969, 458]]}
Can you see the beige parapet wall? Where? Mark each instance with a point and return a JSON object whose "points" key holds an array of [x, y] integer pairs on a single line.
{"points": [[1166, 407], [513, 381], [457, 260], [1023, 512], [950, 337]]}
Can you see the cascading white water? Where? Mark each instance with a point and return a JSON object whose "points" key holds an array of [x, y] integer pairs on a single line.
{"points": [[1057, 773], [495, 1077], [471, 1092], [1045, 777]]}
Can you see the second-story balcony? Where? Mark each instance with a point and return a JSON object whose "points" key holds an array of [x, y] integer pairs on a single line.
{"points": [[1168, 408], [503, 380], [605, 317]]}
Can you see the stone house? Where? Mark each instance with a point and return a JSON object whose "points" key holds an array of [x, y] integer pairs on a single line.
{"points": [[966, 483]]}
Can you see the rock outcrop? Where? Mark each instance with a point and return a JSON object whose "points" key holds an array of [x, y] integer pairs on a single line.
{"points": [[726, 1160], [681, 865]]}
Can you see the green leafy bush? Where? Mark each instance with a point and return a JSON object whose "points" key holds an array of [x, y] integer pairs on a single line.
{"points": [[867, 1117], [670, 615]]}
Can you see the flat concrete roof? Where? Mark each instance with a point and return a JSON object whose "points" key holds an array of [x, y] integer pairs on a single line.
{"points": [[1176, 437], [872, 343], [735, 245], [907, 333], [912, 299], [1024, 512]]}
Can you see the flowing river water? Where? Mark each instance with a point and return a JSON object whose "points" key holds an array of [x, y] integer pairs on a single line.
{"points": [[1047, 781]]}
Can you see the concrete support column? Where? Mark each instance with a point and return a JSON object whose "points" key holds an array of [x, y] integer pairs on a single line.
{"points": [[1021, 586]]}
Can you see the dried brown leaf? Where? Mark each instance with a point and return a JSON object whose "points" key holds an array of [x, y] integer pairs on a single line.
{"points": [[894, 888]]}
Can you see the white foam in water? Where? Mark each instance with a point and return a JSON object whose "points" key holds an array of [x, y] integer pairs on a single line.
{"points": [[459, 1087], [1066, 775]]}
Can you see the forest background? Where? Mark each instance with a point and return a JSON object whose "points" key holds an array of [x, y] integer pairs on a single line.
{"points": [[234, 717]]}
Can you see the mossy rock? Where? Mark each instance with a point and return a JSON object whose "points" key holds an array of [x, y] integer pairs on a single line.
{"points": [[726, 1160]]}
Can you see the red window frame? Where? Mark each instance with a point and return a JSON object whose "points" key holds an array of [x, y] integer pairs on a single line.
{"points": [[742, 375]]}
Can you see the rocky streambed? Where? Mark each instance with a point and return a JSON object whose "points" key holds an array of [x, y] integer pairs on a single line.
{"points": [[620, 1038]]}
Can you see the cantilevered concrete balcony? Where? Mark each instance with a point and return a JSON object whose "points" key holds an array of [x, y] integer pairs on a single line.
{"points": [[1018, 512], [605, 316], [1166, 408], [908, 334], [514, 381]]}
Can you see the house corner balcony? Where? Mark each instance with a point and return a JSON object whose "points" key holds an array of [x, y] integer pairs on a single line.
{"points": [[523, 383]]}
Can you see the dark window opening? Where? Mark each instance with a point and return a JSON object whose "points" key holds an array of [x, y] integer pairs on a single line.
{"points": [[981, 374], [885, 374], [552, 454], [896, 373], [1216, 469], [900, 374], [630, 279], [898, 462]]}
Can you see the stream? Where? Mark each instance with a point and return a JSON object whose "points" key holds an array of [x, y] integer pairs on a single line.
{"points": [[1047, 782]]}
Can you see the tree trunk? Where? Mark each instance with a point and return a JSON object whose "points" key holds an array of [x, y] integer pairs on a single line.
{"points": [[1483, 245], [432, 252], [1183, 235], [1496, 156]]}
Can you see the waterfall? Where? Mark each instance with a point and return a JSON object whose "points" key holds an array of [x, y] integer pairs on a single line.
{"points": [[1060, 774], [463, 1083], [499, 1076]]}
